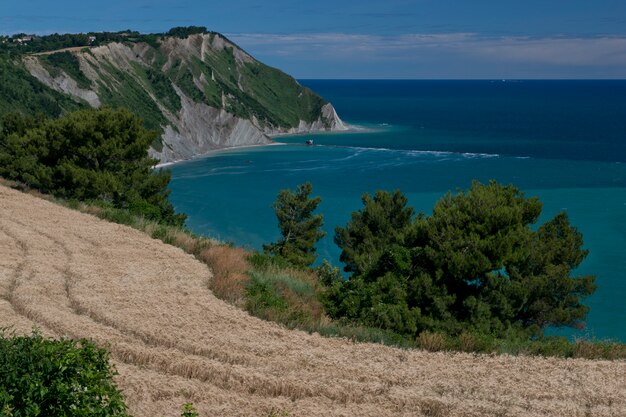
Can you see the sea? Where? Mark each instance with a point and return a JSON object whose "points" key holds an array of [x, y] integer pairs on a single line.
{"points": [[563, 141]]}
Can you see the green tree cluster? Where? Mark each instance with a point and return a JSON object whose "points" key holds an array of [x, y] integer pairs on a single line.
{"points": [[186, 31], [299, 227], [476, 264], [93, 155], [58, 41], [44, 377]]}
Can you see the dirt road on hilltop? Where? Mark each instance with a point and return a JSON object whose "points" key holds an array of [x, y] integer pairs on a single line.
{"points": [[172, 341]]}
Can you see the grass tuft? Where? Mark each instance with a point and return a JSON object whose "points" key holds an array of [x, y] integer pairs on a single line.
{"points": [[432, 342]]}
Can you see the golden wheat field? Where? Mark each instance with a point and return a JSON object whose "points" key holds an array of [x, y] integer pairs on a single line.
{"points": [[172, 341]]}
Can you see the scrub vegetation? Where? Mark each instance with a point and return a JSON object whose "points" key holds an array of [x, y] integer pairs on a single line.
{"points": [[45, 377]]}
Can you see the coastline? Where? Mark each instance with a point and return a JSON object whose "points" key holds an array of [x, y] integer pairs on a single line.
{"points": [[350, 129], [215, 151]]}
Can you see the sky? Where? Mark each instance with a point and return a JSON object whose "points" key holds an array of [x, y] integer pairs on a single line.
{"points": [[383, 39]]}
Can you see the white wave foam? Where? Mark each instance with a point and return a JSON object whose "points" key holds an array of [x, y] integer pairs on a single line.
{"points": [[415, 152]]}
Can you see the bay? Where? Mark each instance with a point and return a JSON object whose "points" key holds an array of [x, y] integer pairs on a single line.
{"points": [[563, 141]]}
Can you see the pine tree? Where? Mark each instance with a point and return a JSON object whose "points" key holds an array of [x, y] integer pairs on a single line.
{"points": [[299, 227]]}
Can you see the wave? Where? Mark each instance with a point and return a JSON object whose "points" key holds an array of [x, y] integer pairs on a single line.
{"points": [[417, 152]]}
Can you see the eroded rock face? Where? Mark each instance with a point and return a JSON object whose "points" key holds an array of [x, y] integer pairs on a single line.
{"points": [[194, 127], [200, 129], [62, 83]]}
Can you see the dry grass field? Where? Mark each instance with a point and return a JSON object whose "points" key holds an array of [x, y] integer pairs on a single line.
{"points": [[173, 341]]}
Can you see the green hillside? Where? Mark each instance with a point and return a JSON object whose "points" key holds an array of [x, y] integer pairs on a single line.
{"points": [[151, 75]]}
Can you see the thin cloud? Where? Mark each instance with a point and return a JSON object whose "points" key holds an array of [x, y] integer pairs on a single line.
{"points": [[578, 51], [601, 51]]}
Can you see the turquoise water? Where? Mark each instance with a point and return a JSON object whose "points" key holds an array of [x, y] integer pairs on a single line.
{"points": [[562, 141]]}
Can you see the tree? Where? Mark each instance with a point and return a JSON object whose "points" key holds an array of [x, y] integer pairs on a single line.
{"points": [[384, 220], [299, 227], [95, 155], [475, 264]]}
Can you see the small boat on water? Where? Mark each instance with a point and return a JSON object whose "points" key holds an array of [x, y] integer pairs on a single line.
{"points": [[309, 142]]}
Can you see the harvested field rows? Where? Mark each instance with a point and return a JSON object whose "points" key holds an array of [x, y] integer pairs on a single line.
{"points": [[172, 341]]}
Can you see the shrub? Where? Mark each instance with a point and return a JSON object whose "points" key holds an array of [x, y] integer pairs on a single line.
{"points": [[56, 378], [229, 266], [593, 349], [287, 296], [433, 342], [189, 411]]}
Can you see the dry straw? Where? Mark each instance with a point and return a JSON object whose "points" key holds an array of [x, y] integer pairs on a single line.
{"points": [[173, 341]]}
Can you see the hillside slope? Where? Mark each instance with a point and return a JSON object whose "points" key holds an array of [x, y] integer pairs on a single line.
{"points": [[172, 341], [201, 91]]}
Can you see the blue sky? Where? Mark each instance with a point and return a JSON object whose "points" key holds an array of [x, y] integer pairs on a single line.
{"points": [[373, 39]]}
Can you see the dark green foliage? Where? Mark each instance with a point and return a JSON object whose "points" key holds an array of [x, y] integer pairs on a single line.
{"points": [[44, 43], [43, 377], [275, 97], [384, 220], [252, 88], [474, 265], [98, 155], [264, 262], [67, 62], [186, 31], [184, 80], [300, 229]]}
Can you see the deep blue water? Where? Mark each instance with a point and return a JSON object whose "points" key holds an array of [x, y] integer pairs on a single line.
{"points": [[564, 141]]}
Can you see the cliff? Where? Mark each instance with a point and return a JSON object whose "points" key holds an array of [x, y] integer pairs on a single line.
{"points": [[201, 92]]}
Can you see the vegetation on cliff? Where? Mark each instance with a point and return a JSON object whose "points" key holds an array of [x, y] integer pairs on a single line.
{"points": [[21, 92]]}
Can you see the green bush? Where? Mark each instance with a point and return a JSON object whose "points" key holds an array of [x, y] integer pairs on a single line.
{"points": [[263, 262], [44, 377], [188, 410], [281, 295], [90, 155]]}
